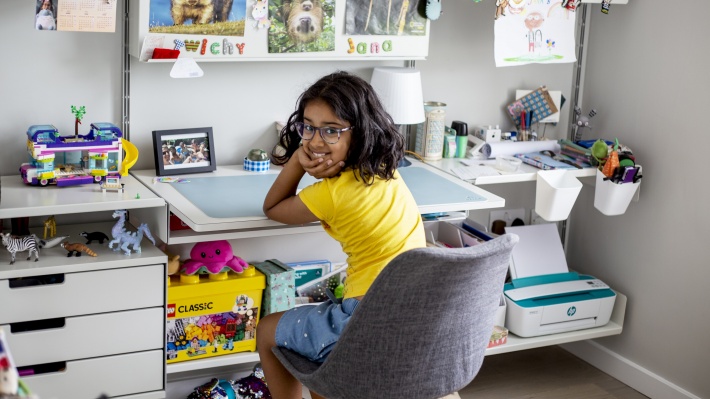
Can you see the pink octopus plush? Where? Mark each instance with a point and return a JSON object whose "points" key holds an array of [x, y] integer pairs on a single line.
{"points": [[213, 257]]}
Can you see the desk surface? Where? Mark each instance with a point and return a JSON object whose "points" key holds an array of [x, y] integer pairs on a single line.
{"points": [[457, 196], [524, 173]]}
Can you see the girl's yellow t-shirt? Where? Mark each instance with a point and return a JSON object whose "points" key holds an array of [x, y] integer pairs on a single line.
{"points": [[372, 223]]}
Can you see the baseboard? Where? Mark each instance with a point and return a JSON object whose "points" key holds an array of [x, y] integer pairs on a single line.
{"points": [[626, 371]]}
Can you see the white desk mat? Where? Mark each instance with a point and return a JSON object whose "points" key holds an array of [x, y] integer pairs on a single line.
{"points": [[243, 196]]}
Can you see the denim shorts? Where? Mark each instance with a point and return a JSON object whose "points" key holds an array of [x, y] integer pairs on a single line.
{"points": [[313, 330]]}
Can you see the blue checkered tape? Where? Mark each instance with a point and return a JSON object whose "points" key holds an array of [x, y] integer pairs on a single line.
{"points": [[256, 166]]}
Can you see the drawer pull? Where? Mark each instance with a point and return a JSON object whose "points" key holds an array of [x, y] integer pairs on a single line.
{"points": [[36, 280], [45, 368], [36, 325]]}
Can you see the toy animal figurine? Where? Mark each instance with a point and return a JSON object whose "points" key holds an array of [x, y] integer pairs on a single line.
{"points": [[133, 239], [51, 225], [213, 257], [19, 244], [50, 243], [76, 249], [173, 260], [581, 121], [94, 236]]}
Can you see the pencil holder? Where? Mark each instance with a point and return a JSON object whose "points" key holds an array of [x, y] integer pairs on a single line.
{"points": [[611, 198], [555, 194]]}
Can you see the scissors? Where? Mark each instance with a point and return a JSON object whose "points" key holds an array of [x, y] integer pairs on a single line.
{"points": [[558, 158]]}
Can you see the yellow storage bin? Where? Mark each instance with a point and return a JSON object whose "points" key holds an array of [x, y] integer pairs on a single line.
{"points": [[213, 315]]}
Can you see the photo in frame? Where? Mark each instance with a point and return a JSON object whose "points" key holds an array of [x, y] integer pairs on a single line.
{"points": [[183, 151]]}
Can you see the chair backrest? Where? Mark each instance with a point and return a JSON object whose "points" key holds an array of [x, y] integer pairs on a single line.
{"points": [[423, 327]]}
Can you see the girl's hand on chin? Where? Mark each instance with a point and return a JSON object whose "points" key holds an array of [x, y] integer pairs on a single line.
{"points": [[320, 168]]}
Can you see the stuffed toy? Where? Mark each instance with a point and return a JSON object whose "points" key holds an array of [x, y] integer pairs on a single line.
{"points": [[213, 257]]}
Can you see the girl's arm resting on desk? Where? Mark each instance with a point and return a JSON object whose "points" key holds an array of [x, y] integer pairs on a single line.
{"points": [[281, 203]]}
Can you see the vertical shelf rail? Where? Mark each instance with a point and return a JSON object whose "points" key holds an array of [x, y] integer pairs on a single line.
{"points": [[576, 92], [126, 77]]}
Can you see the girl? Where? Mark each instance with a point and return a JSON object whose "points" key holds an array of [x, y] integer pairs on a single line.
{"points": [[339, 122]]}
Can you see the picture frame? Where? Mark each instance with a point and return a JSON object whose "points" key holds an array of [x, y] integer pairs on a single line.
{"points": [[183, 151]]}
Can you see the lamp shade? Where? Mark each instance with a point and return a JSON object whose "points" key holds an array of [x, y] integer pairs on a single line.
{"points": [[400, 90]]}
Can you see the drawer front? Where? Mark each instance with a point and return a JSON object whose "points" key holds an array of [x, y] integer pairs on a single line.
{"points": [[112, 375], [85, 293], [83, 337]]}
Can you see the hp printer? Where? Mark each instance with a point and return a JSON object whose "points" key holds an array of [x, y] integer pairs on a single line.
{"points": [[544, 297]]}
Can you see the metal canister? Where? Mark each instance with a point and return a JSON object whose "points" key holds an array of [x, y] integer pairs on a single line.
{"points": [[430, 134]]}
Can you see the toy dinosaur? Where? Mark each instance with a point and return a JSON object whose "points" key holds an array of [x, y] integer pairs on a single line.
{"points": [[133, 239]]}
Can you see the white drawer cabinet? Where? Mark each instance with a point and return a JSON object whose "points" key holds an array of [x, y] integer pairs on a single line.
{"points": [[79, 327], [127, 374], [72, 294], [87, 336]]}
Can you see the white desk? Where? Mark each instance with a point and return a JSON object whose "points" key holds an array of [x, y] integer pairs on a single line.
{"points": [[205, 227], [524, 173], [258, 226]]}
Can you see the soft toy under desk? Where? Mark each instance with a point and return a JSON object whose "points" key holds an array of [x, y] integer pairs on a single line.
{"points": [[213, 257]]}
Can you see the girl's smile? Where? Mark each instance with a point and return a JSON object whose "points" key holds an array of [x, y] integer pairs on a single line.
{"points": [[318, 113]]}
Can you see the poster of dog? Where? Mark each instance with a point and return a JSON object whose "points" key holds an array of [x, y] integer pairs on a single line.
{"points": [[198, 17], [395, 17], [301, 26]]}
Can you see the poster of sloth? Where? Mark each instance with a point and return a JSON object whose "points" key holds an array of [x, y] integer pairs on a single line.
{"points": [[393, 17], [299, 26], [198, 17]]}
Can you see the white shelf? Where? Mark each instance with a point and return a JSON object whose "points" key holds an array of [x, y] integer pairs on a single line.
{"points": [[211, 362], [18, 199], [55, 261], [614, 327], [524, 173]]}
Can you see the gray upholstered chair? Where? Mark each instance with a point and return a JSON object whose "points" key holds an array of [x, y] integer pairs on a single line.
{"points": [[420, 332]]}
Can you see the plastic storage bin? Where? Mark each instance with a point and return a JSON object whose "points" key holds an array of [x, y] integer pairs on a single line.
{"points": [[611, 198], [209, 317], [556, 193]]}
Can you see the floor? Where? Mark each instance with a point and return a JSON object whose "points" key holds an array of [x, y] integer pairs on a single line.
{"points": [[544, 373]]}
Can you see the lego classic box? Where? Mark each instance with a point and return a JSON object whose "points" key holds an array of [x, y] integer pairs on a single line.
{"points": [[213, 314]]}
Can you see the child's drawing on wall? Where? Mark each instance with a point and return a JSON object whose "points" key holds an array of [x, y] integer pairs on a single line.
{"points": [[524, 31]]}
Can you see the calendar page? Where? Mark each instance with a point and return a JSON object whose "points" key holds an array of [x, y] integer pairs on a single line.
{"points": [[86, 15]]}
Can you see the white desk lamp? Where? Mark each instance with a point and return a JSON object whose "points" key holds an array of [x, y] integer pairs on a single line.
{"points": [[400, 90]]}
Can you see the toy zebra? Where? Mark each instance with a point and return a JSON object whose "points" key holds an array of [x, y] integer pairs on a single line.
{"points": [[19, 244]]}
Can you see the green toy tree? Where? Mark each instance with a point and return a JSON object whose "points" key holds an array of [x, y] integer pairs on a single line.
{"points": [[78, 115]]}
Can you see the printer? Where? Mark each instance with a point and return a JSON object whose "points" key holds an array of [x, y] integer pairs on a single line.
{"points": [[543, 296]]}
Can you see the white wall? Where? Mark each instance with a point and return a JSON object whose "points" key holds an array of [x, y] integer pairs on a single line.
{"points": [[643, 75], [647, 76], [44, 73]]}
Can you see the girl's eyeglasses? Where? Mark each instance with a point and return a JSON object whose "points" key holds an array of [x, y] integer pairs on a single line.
{"points": [[330, 135]]}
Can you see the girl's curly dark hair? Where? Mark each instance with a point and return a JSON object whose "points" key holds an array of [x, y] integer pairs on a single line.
{"points": [[376, 146]]}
